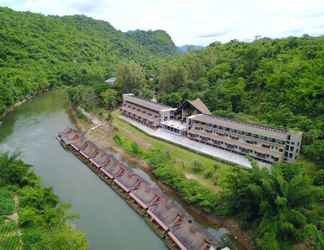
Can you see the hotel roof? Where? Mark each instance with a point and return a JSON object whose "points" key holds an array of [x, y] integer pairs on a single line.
{"points": [[247, 127], [147, 104], [199, 105]]}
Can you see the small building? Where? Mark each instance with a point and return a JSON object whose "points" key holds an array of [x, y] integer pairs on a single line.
{"points": [[111, 81], [175, 126]]}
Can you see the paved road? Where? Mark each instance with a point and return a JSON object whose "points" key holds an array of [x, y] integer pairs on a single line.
{"points": [[196, 146]]}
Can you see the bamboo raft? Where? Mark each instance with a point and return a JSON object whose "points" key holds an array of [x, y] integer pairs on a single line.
{"points": [[168, 220]]}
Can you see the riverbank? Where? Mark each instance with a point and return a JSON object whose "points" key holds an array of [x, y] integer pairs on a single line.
{"points": [[173, 224], [25, 99], [31, 129], [29, 223], [103, 136]]}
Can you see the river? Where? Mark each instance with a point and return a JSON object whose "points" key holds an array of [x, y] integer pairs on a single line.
{"points": [[107, 220]]}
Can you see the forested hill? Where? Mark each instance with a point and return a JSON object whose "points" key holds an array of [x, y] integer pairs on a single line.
{"points": [[38, 51], [275, 81], [157, 41]]}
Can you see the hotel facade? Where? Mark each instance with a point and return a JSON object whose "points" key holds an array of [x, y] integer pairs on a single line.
{"points": [[146, 112], [263, 143]]}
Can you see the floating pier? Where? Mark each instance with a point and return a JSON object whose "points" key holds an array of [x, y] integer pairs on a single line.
{"points": [[165, 216]]}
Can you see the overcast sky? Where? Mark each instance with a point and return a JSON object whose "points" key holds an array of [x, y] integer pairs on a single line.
{"points": [[195, 21]]}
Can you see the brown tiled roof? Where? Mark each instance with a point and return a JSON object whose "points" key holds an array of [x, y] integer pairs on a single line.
{"points": [[199, 105], [190, 235], [145, 193], [129, 179], [101, 157], [167, 211]]}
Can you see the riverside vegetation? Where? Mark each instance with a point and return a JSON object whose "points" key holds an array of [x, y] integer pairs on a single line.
{"points": [[277, 82], [37, 220]]}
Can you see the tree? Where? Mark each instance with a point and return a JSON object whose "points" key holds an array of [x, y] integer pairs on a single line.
{"points": [[109, 98], [43, 219], [130, 78], [172, 77], [63, 238], [315, 152], [319, 178], [281, 202]]}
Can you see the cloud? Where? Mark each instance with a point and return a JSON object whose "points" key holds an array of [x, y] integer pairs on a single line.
{"points": [[215, 35], [314, 14], [293, 31], [88, 6]]}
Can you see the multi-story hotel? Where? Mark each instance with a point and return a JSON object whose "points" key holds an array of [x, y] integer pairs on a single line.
{"points": [[146, 112], [260, 142]]}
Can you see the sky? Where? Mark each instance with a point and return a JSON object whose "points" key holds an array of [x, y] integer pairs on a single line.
{"points": [[198, 22]]}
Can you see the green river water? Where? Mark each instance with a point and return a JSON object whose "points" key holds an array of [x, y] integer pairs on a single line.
{"points": [[107, 220]]}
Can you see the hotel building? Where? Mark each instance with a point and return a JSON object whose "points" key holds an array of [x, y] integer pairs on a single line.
{"points": [[260, 142], [263, 143], [146, 112]]}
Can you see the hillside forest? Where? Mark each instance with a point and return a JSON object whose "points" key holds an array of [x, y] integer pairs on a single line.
{"points": [[276, 82]]}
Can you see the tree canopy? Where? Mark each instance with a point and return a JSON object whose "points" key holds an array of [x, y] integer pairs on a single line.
{"points": [[39, 52], [277, 82], [43, 220]]}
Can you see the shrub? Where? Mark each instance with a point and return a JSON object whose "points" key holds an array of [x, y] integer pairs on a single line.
{"points": [[208, 173], [196, 166], [319, 178], [135, 149], [7, 204], [118, 140]]}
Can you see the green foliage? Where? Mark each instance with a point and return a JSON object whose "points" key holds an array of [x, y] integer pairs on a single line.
{"points": [[190, 190], [39, 52], [315, 152], [118, 140], [14, 171], [84, 96], [130, 78], [197, 167], [135, 149], [319, 178], [158, 41], [280, 202], [7, 204], [316, 236], [43, 220], [109, 98], [278, 82]]}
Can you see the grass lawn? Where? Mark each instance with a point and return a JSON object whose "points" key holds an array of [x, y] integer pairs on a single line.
{"points": [[184, 159]]}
